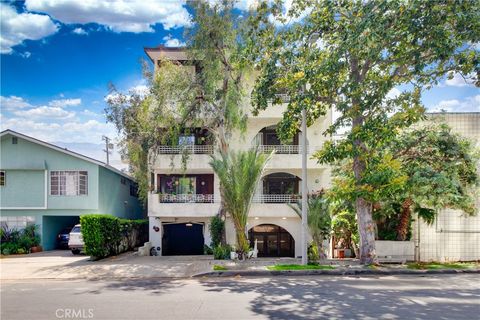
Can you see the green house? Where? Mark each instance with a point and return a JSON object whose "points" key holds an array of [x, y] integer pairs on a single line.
{"points": [[51, 186]]}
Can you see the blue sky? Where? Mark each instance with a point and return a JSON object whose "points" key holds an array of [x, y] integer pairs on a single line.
{"points": [[57, 58]]}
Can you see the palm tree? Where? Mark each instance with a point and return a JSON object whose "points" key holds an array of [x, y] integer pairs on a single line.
{"points": [[318, 218], [239, 173]]}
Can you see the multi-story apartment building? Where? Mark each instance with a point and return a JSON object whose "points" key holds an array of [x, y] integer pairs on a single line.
{"points": [[181, 203]]}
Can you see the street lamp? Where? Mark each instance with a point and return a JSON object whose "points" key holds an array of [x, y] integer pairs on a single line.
{"points": [[311, 39]]}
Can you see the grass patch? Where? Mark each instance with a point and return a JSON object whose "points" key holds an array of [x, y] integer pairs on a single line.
{"points": [[439, 265], [217, 267], [287, 267]]}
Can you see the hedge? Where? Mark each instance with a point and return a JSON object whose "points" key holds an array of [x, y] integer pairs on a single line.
{"points": [[105, 235]]}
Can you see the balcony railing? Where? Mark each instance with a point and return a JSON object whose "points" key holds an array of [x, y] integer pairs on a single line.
{"points": [[186, 198], [192, 149], [210, 198], [281, 148], [276, 198]]}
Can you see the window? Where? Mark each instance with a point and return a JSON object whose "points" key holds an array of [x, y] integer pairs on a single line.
{"points": [[3, 177], [14, 140], [134, 190], [16, 222], [178, 185], [123, 181], [68, 183]]}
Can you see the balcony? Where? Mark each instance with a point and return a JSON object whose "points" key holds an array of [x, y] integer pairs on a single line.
{"points": [[190, 149], [185, 198], [210, 198], [276, 198], [281, 148]]}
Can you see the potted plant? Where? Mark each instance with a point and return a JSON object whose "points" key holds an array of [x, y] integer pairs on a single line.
{"points": [[31, 232]]}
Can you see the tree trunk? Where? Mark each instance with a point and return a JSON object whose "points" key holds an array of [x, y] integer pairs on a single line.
{"points": [[242, 242], [404, 222], [366, 229]]}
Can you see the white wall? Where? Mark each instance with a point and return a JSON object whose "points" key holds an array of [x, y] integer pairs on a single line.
{"points": [[452, 237]]}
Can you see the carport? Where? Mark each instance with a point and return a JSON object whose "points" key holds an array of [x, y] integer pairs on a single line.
{"points": [[182, 239], [52, 225]]}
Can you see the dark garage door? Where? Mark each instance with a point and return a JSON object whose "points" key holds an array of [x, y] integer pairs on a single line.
{"points": [[182, 239]]}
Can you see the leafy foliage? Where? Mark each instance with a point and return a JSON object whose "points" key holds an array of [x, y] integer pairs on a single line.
{"points": [[318, 218], [217, 227], [177, 99], [239, 173], [105, 235], [222, 252], [349, 55], [19, 241]]}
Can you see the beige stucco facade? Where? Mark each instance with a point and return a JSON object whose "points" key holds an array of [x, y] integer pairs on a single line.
{"points": [[279, 214]]}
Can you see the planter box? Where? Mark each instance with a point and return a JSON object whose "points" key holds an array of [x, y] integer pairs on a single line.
{"points": [[395, 251], [342, 253]]}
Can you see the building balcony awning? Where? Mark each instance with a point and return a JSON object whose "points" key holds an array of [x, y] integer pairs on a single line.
{"points": [[25, 165]]}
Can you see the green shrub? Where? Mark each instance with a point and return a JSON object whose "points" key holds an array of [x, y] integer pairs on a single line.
{"points": [[9, 248], [222, 252], [313, 255], [217, 225], [19, 241], [207, 249], [106, 235]]}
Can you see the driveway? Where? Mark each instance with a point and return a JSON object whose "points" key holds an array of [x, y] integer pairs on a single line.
{"points": [[61, 264]]}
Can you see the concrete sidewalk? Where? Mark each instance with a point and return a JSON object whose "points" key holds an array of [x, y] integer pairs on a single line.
{"points": [[63, 265]]}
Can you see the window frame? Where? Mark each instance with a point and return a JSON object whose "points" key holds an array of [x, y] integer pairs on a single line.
{"points": [[80, 175]]}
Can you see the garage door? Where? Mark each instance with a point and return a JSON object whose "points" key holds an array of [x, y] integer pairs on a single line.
{"points": [[182, 239]]}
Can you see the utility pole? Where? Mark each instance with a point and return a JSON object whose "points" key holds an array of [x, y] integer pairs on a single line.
{"points": [[304, 189], [108, 147]]}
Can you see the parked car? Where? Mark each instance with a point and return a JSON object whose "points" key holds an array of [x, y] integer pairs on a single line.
{"points": [[62, 238], [75, 242]]}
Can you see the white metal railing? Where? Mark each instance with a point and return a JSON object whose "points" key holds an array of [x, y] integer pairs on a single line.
{"points": [[210, 198], [276, 198], [192, 149], [185, 198], [281, 148]]}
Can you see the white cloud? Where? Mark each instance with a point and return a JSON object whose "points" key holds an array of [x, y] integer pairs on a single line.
{"points": [[80, 31], [90, 113], [17, 27], [117, 15], [45, 112], [71, 131], [26, 54], [13, 103], [469, 104], [62, 103], [393, 93], [459, 81], [172, 42]]}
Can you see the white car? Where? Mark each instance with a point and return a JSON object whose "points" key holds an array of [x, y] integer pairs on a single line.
{"points": [[75, 243]]}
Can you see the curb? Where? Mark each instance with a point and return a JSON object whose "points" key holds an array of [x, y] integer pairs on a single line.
{"points": [[266, 273]]}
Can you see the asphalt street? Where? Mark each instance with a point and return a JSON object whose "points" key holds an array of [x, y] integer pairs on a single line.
{"points": [[318, 297]]}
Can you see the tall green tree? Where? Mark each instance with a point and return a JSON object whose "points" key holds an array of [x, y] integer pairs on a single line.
{"points": [[442, 173], [176, 100], [350, 55], [239, 172]]}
